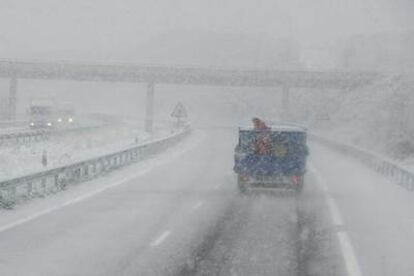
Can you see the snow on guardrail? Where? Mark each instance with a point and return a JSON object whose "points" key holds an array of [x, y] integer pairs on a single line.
{"points": [[382, 165], [56, 179]]}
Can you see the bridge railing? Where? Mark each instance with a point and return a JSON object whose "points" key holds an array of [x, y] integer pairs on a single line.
{"points": [[57, 179], [391, 170], [183, 74]]}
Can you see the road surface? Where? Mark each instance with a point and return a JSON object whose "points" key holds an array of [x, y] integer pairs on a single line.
{"points": [[180, 214]]}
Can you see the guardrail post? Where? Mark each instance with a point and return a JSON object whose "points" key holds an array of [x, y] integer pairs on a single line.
{"points": [[76, 174], [29, 189], [149, 108], [12, 99], [43, 185], [86, 171], [410, 183], [401, 179], [56, 180], [9, 200]]}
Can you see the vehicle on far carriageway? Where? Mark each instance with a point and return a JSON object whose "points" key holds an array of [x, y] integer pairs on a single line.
{"points": [[42, 113], [65, 114], [271, 157]]}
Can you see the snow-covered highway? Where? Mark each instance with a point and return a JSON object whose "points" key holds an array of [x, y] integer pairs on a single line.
{"points": [[179, 213]]}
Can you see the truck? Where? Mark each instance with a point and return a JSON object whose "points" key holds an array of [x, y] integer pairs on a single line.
{"points": [[65, 113], [42, 114], [274, 157]]}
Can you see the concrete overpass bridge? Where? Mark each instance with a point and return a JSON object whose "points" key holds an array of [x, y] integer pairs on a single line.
{"points": [[160, 74]]}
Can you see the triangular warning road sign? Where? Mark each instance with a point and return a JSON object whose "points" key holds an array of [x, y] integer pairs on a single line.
{"points": [[179, 111]]}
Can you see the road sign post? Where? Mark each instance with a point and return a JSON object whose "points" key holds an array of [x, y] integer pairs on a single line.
{"points": [[179, 113]]}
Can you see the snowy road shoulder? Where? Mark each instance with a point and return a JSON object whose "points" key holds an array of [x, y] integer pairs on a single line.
{"points": [[377, 214]]}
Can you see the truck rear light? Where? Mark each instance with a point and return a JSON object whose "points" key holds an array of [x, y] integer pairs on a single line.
{"points": [[296, 179]]}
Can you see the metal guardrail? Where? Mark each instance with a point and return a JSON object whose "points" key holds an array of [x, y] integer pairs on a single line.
{"points": [[54, 180], [387, 168]]}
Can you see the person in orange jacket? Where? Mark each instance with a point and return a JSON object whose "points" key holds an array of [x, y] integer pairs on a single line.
{"points": [[259, 124], [263, 143]]}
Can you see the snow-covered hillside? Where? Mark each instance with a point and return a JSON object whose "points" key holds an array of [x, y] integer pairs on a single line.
{"points": [[377, 117]]}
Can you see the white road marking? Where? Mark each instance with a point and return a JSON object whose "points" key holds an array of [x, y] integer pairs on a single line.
{"points": [[70, 202], [351, 262], [198, 205], [333, 209], [217, 186], [336, 216], [348, 253], [93, 193], [160, 239]]}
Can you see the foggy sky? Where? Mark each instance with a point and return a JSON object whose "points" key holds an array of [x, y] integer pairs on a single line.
{"points": [[99, 29]]}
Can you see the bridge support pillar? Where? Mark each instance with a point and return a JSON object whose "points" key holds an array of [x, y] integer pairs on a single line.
{"points": [[149, 108], [11, 114], [285, 103]]}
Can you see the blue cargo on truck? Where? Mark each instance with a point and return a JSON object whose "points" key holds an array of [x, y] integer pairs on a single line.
{"points": [[282, 162]]}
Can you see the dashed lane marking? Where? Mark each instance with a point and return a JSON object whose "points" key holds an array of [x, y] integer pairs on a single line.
{"points": [[160, 239], [351, 262], [198, 205], [217, 186]]}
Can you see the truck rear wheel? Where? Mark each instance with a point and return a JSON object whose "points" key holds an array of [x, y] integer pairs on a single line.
{"points": [[241, 184], [299, 186]]}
